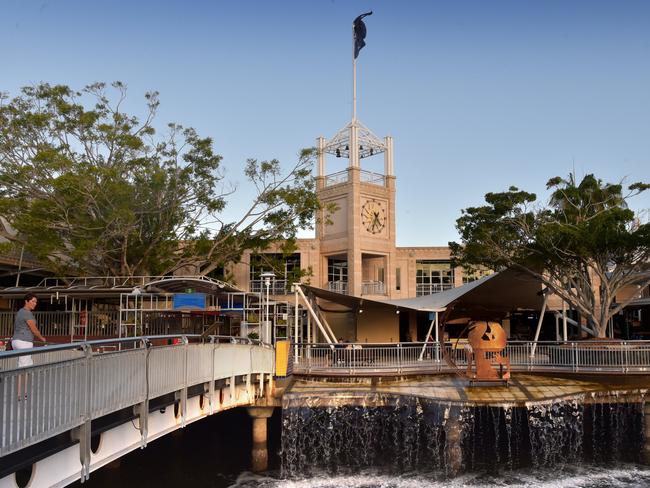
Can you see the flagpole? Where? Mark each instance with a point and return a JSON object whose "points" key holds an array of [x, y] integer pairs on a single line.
{"points": [[354, 79]]}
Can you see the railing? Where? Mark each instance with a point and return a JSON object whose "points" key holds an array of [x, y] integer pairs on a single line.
{"points": [[338, 287], [429, 289], [276, 287], [71, 384], [106, 324], [589, 357], [373, 288], [336, 178], [366, 176]]}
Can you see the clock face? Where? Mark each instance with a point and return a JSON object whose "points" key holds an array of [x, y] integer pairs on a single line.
{"points": [[373, 216]]}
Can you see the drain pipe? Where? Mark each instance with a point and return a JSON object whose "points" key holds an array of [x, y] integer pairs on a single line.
{"points": [[313, 314]]}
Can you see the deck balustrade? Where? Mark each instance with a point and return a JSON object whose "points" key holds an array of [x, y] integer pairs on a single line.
{"points": [[588, 357]]}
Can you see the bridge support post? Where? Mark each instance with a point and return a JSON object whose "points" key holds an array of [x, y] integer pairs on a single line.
{"points": [[82, 434], [454, 435], [259, 454], [142, 411], [645, 451]]}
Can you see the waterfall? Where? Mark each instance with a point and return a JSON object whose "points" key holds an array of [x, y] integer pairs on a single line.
{"points": [[412, 434]]}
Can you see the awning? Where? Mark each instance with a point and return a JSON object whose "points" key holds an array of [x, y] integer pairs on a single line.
{"points": [[498, 293], [112, 288]]}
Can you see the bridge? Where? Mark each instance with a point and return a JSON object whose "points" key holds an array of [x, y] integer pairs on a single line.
{"points": [[75, 409], [84, 405]]}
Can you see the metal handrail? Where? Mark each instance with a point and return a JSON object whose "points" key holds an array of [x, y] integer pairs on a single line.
{"points": [[43, 400], [431, 288], [588, 357]]}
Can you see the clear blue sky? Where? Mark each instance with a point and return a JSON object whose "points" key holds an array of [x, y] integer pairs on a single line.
{"points": [[478, 95]]}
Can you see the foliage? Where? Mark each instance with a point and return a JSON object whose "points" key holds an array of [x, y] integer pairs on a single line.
{"points": [[93, 190], [585, 245]]}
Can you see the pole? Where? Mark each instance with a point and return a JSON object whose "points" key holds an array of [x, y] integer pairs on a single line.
{"points": [[354, 81], [20, 264], [426, 339], [266, 322], [295, 326], [564, 327], [313, 314], [539, 324]]}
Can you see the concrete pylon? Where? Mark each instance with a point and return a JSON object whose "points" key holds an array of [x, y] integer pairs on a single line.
{"points": [[259, 453]]}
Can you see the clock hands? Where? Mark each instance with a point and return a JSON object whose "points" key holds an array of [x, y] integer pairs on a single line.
{"points": [[372, 217]]}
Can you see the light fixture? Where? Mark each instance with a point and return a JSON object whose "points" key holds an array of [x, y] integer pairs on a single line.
{"points": [[361, 310], [360, 148], [347, 148], [372, 151], [397, 311], [338, 153]]}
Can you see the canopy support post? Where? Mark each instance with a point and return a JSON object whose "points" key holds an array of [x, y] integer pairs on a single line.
{"points": [[426, 340], [539, 325]]}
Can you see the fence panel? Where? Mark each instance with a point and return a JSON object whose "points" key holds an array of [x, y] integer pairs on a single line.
{"points": [[166, 369], [39, 402], [118, 380], [231, 359], [199, 363]]}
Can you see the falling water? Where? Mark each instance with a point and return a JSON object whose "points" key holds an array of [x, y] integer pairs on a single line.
{"points": [[411, 437]]}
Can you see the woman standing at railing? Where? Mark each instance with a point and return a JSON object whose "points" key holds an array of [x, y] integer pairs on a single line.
{"points": [[25, 329]]}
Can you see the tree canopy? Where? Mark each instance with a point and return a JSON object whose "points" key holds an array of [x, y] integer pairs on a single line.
{"points": [[93, 190], [586, 245]]}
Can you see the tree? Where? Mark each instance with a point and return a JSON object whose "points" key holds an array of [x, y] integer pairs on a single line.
{"points": [[585, 245], [92, 190]]}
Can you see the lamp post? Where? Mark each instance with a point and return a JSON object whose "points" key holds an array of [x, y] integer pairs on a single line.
{"points": [[267, 276]]}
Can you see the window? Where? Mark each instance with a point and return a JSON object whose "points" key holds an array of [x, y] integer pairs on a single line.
{"points": [[285, 268], [433, 276], [337, 270], [398, 279], [475, 274]]}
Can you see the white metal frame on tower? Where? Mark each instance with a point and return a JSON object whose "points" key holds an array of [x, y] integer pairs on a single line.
{"points": [[369, 144]]}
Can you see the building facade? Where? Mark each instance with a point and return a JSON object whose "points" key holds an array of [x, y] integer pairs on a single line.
{"points": [[354, 251]]}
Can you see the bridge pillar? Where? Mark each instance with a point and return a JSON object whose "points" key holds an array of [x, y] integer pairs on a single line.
{"points": [[259, 454], [645, 452]]}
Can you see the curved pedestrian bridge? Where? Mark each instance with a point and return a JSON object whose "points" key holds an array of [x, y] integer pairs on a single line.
{"points": [[86, 404]]}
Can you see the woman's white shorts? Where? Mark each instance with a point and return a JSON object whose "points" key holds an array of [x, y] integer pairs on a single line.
{"points": [[23, 361]]}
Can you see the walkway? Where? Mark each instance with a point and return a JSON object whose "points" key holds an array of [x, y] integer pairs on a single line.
{"points": [[524, 389], [71, 386]]}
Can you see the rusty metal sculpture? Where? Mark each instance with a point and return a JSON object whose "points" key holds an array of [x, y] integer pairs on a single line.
{"points": [[485, 359]]}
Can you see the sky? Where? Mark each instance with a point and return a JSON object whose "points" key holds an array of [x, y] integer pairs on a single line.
{"points": [[477, 95]]}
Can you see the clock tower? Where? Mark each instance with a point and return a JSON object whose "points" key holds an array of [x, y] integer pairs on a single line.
{"points": [[356, 230]]}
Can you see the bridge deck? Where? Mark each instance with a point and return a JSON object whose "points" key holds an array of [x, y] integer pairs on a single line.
{"points": [[524, 389]]}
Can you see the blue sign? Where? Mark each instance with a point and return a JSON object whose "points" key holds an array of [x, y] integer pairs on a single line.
{"points": [[195, 301]]}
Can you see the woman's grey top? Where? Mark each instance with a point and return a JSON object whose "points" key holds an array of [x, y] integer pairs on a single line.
{"points": [[21, 329]]}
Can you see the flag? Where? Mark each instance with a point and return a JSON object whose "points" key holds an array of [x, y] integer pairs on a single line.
{"points": [[359, 33]]}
